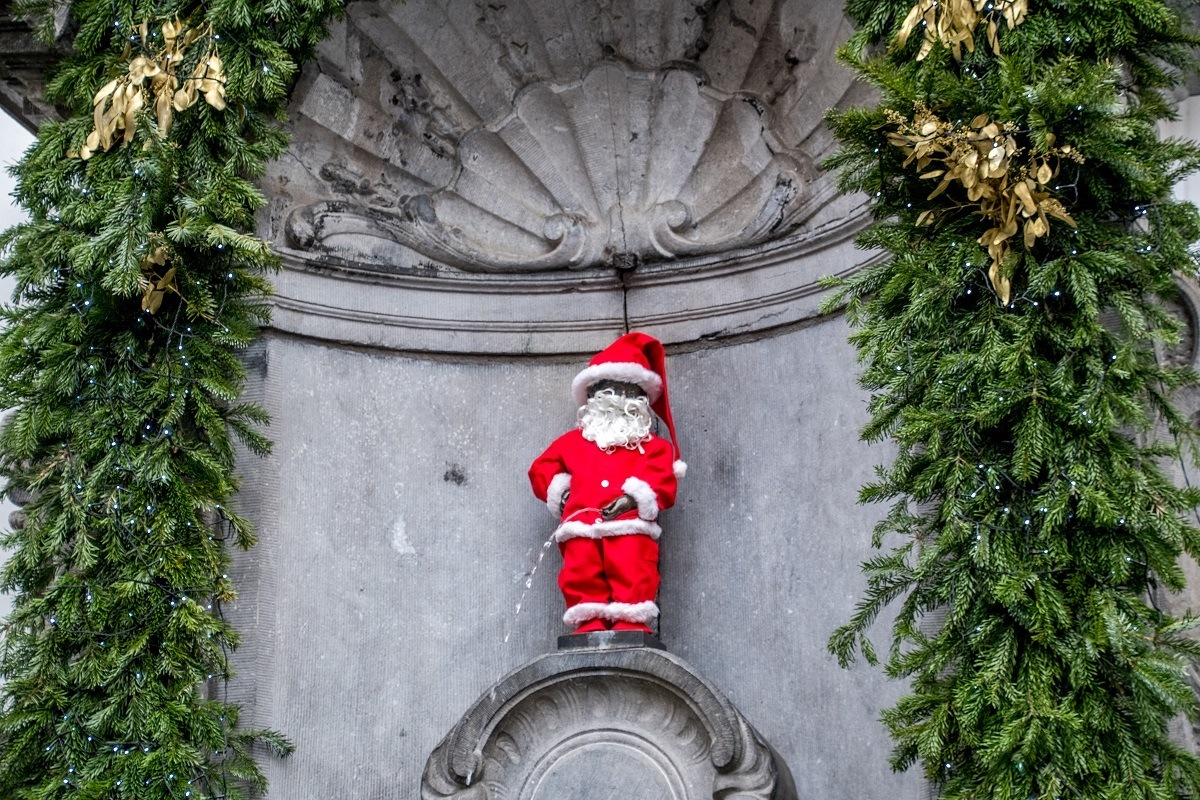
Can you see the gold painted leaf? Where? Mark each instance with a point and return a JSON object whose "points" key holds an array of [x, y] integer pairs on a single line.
{"points": [[136, 102], [216, 98], [163, 112], [141, 68], [1021, 189], [152, 299], [1030, 233], [909, 25], [1055, 209], [157, 256], [185, 96], [1009, 230], [167, 281], [1001, 284], [106, 90], [943, 186]]}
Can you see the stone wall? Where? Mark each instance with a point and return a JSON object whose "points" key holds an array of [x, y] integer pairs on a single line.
{"points": [[398, 532], [478, 197]]}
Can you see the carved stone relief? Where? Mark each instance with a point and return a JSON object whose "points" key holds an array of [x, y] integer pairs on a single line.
{"points": [[483, 176], [24, 59], [635, 723], [535, 135]]}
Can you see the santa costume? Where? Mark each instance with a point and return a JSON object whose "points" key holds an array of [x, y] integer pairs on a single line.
{"points": [[609, 576]]}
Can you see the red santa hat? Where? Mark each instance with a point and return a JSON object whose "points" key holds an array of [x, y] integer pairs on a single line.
{"points": [[636, 358]]}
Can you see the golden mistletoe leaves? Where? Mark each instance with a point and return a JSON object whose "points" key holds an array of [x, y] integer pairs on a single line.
{"points": [[155, 286], [1008, 185], [953, 22], [153, 81]]}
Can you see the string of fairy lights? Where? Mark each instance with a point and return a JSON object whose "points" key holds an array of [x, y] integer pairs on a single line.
{"points": [[1021, 510], [1023, 506], [130, 506], [136, 526]]}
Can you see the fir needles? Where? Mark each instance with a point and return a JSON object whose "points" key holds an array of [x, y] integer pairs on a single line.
{"points": [[139, 277], [1032, 512]]}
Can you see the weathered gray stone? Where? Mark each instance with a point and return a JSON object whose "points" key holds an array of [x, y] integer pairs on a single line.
{"points": [[608, 640], [452, 160], [24, 60], [481, 137], [633, 723], [398, 533]]}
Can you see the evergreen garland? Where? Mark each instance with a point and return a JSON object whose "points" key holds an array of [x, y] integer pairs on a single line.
{"points": [[1031, 415], [138, 278]]}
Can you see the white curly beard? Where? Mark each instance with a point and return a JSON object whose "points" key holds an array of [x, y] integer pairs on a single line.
{"points": [[612, 420]]}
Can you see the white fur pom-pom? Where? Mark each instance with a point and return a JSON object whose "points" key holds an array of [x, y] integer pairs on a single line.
{"points": [[680, 469]]}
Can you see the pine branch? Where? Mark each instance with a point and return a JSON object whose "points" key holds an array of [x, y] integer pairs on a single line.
{"points": [[1022, 389], [126, 410]]}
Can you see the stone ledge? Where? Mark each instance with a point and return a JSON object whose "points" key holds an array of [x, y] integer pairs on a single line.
{"points": [[438, 310], [608, 640]]}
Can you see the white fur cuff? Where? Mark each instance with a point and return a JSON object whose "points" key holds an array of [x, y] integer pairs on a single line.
{"points": [[559, 486], [598, 530], [647, 500], [613, 612]]}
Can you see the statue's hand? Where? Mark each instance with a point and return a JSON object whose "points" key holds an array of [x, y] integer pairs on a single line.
{"points": [[618, 507]]}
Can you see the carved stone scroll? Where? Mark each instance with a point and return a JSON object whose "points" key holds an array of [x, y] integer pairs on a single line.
{"points": [[634, 723]]}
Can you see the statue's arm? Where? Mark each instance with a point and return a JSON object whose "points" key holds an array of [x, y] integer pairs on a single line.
{"points": [[550, 479], [653, 486]]}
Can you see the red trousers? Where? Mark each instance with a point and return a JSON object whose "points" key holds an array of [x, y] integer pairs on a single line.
{"points": [[615, 571]]}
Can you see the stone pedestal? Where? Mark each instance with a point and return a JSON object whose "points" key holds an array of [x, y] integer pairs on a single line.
{"points": [[636, 723]]}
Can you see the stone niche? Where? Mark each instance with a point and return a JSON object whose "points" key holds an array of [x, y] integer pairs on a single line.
{"points": [[527, 176], [479, 195], [634, 723]]}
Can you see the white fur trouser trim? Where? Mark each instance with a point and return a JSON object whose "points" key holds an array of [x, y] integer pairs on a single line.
{"points": [[613, 612], [560, 484], [599, 530], [647, 500]]}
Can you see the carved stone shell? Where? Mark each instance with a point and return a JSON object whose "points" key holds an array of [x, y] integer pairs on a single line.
{"points": [[530, 135], [482, 176]]}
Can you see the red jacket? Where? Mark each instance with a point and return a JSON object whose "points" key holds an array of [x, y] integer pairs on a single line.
{"points": [[596, 478]]}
